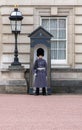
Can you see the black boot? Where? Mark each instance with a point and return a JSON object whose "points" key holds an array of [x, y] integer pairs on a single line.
{"points": [[37, 91], [43, 91]]}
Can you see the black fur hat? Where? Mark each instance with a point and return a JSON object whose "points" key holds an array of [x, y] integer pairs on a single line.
{"points": [[40, 51]]}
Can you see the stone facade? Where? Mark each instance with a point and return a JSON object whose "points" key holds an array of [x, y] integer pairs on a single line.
{"points": [[32, 11]]}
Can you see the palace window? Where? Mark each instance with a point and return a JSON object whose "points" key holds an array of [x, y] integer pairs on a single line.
{"points": [[57, 27]]}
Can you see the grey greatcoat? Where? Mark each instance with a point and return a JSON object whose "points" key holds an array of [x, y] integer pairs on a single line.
{"points": [[40, 71]]}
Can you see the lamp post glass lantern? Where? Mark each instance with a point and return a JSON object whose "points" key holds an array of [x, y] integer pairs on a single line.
{"points": [[15, 21]]}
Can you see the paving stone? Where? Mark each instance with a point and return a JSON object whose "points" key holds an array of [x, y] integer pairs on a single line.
{"points": [[29, 112]]}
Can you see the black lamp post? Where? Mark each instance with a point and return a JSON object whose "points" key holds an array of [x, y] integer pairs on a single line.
{"points": [[15, 21]]}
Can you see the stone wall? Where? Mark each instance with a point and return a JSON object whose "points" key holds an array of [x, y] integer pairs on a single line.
{"points": [[32, 11], [66, 81]]}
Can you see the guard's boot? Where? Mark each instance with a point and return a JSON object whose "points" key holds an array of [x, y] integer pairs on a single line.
{"points": [[43, 91], [37, 91]]}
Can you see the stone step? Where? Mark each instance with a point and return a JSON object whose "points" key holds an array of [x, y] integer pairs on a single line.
{"points": [[14, 86]]}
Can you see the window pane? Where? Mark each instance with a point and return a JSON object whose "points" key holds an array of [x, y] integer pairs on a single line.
{"points": [[61, 54], [54, 50], [45, 23], [62, 34], [62, 45], [53, 45], [18, 25], [53, 23], [62, 23], [12, 25], [54, 33], [54, 54]]}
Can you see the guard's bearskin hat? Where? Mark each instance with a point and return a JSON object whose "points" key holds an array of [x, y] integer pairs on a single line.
{"points": [[40, 51]]}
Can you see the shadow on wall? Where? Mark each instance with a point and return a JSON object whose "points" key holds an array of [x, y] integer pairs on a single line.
{"points": [[27, 79]]}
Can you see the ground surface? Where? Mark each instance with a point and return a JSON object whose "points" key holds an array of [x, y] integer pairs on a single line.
{"points": [[28, 112]]}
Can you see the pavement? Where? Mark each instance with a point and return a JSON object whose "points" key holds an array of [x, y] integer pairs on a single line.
{"points": [[29, 112]]}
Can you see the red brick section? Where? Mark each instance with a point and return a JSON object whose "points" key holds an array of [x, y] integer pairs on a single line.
{"points": [[28, 112]]}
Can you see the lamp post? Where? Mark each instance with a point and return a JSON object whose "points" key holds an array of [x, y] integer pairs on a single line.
{"points": [[15, 21]]}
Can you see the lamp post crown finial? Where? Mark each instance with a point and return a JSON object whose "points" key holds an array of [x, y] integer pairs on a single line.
{"points": [[15, 7]]}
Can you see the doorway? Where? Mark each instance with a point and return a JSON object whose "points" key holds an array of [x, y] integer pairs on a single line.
{"points": [[45, 51]]}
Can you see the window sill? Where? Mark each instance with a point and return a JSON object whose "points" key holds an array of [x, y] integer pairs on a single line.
{"points": [[60, 66]]}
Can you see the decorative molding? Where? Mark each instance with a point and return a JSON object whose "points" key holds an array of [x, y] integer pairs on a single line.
{"points": [[66, 70]]}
